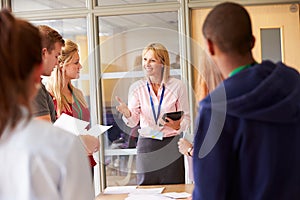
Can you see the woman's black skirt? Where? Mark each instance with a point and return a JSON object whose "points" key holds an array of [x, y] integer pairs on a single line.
{"points": [[159, 161]]}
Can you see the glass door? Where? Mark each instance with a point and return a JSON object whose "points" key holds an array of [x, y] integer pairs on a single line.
{"points": [[122, 39]]}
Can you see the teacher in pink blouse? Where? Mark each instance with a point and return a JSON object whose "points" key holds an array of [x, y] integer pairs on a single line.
{"points": [[158, 159]]}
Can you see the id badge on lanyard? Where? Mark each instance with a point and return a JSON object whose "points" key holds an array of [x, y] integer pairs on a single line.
{"points": [[154, 111]]}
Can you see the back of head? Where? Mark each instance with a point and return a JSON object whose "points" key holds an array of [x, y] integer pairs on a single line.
{"points": [[228, 25], [49, 37], [18, 58], [161, 53]]}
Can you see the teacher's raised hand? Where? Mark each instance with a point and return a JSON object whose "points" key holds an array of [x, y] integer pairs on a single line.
{"points": [[123, 108]]}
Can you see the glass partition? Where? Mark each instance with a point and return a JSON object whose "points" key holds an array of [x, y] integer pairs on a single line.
{"points": [[122, 39], [29, 5], [126, 2]]}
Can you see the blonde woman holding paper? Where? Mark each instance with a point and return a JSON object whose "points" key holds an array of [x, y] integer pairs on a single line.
{"points": [[69, 99]]}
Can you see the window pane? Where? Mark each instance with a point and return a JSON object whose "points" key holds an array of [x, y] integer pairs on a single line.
{"points": [[122, 39], [74, 29], [28, 5], [271, 44], [123, 2]]}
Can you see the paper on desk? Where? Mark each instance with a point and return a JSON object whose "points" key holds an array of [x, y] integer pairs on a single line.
{"points": [[146, 194], [177, 195], [119, 189], [158, 190], [78, 127], [147, 197]]}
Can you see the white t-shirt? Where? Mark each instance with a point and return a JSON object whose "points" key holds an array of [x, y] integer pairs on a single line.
{"points": [[39, 161]]}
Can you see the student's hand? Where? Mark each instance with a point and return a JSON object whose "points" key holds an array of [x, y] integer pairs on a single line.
{"points": [[91, 143], [123, 108], [183, 146]]}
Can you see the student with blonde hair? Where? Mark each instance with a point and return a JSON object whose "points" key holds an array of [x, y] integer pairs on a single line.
{"points": [[209, 78], [66, 97]]}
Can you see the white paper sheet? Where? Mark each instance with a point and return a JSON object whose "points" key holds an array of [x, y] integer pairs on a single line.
{"points": [[98, 130], [78, 127], [158, 190], [119, 189], [177, 195], [133, 190], [71, 124], [147, 197]]}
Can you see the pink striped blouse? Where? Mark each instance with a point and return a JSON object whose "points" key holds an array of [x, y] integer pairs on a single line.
{"points": [[175, 99]]}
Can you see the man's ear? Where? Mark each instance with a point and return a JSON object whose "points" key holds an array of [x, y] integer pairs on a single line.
{"points": [[210, 47], [44, 51]]}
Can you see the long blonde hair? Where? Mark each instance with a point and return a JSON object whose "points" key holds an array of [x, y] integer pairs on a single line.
{"points": [[209, 76], [161, 53], [57, 80]]}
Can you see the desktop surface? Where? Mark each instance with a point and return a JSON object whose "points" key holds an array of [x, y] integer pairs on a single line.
{"points": [[168, 188]]}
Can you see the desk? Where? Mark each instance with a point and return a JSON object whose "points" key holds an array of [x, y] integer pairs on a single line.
{"points": [[168, 188]]}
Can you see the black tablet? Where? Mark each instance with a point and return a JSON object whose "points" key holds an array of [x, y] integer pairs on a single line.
{"points": [[173, 115]]}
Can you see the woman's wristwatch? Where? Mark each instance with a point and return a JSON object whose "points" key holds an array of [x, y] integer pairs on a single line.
{"points": [[189, 151]]}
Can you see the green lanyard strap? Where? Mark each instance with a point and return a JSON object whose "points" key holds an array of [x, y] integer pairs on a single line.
{"points": [[241, 68], [79, 112]]}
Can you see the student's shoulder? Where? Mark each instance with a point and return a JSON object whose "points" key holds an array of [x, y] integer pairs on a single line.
{"points": [[38, 139], [47, 134]]}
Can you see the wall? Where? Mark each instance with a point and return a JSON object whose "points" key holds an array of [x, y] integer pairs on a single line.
{"points": [[264, 16]]}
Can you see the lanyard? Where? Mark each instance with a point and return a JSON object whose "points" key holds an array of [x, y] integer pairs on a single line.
{"points": [[79, 112], [160, 102], [241, 68]]}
